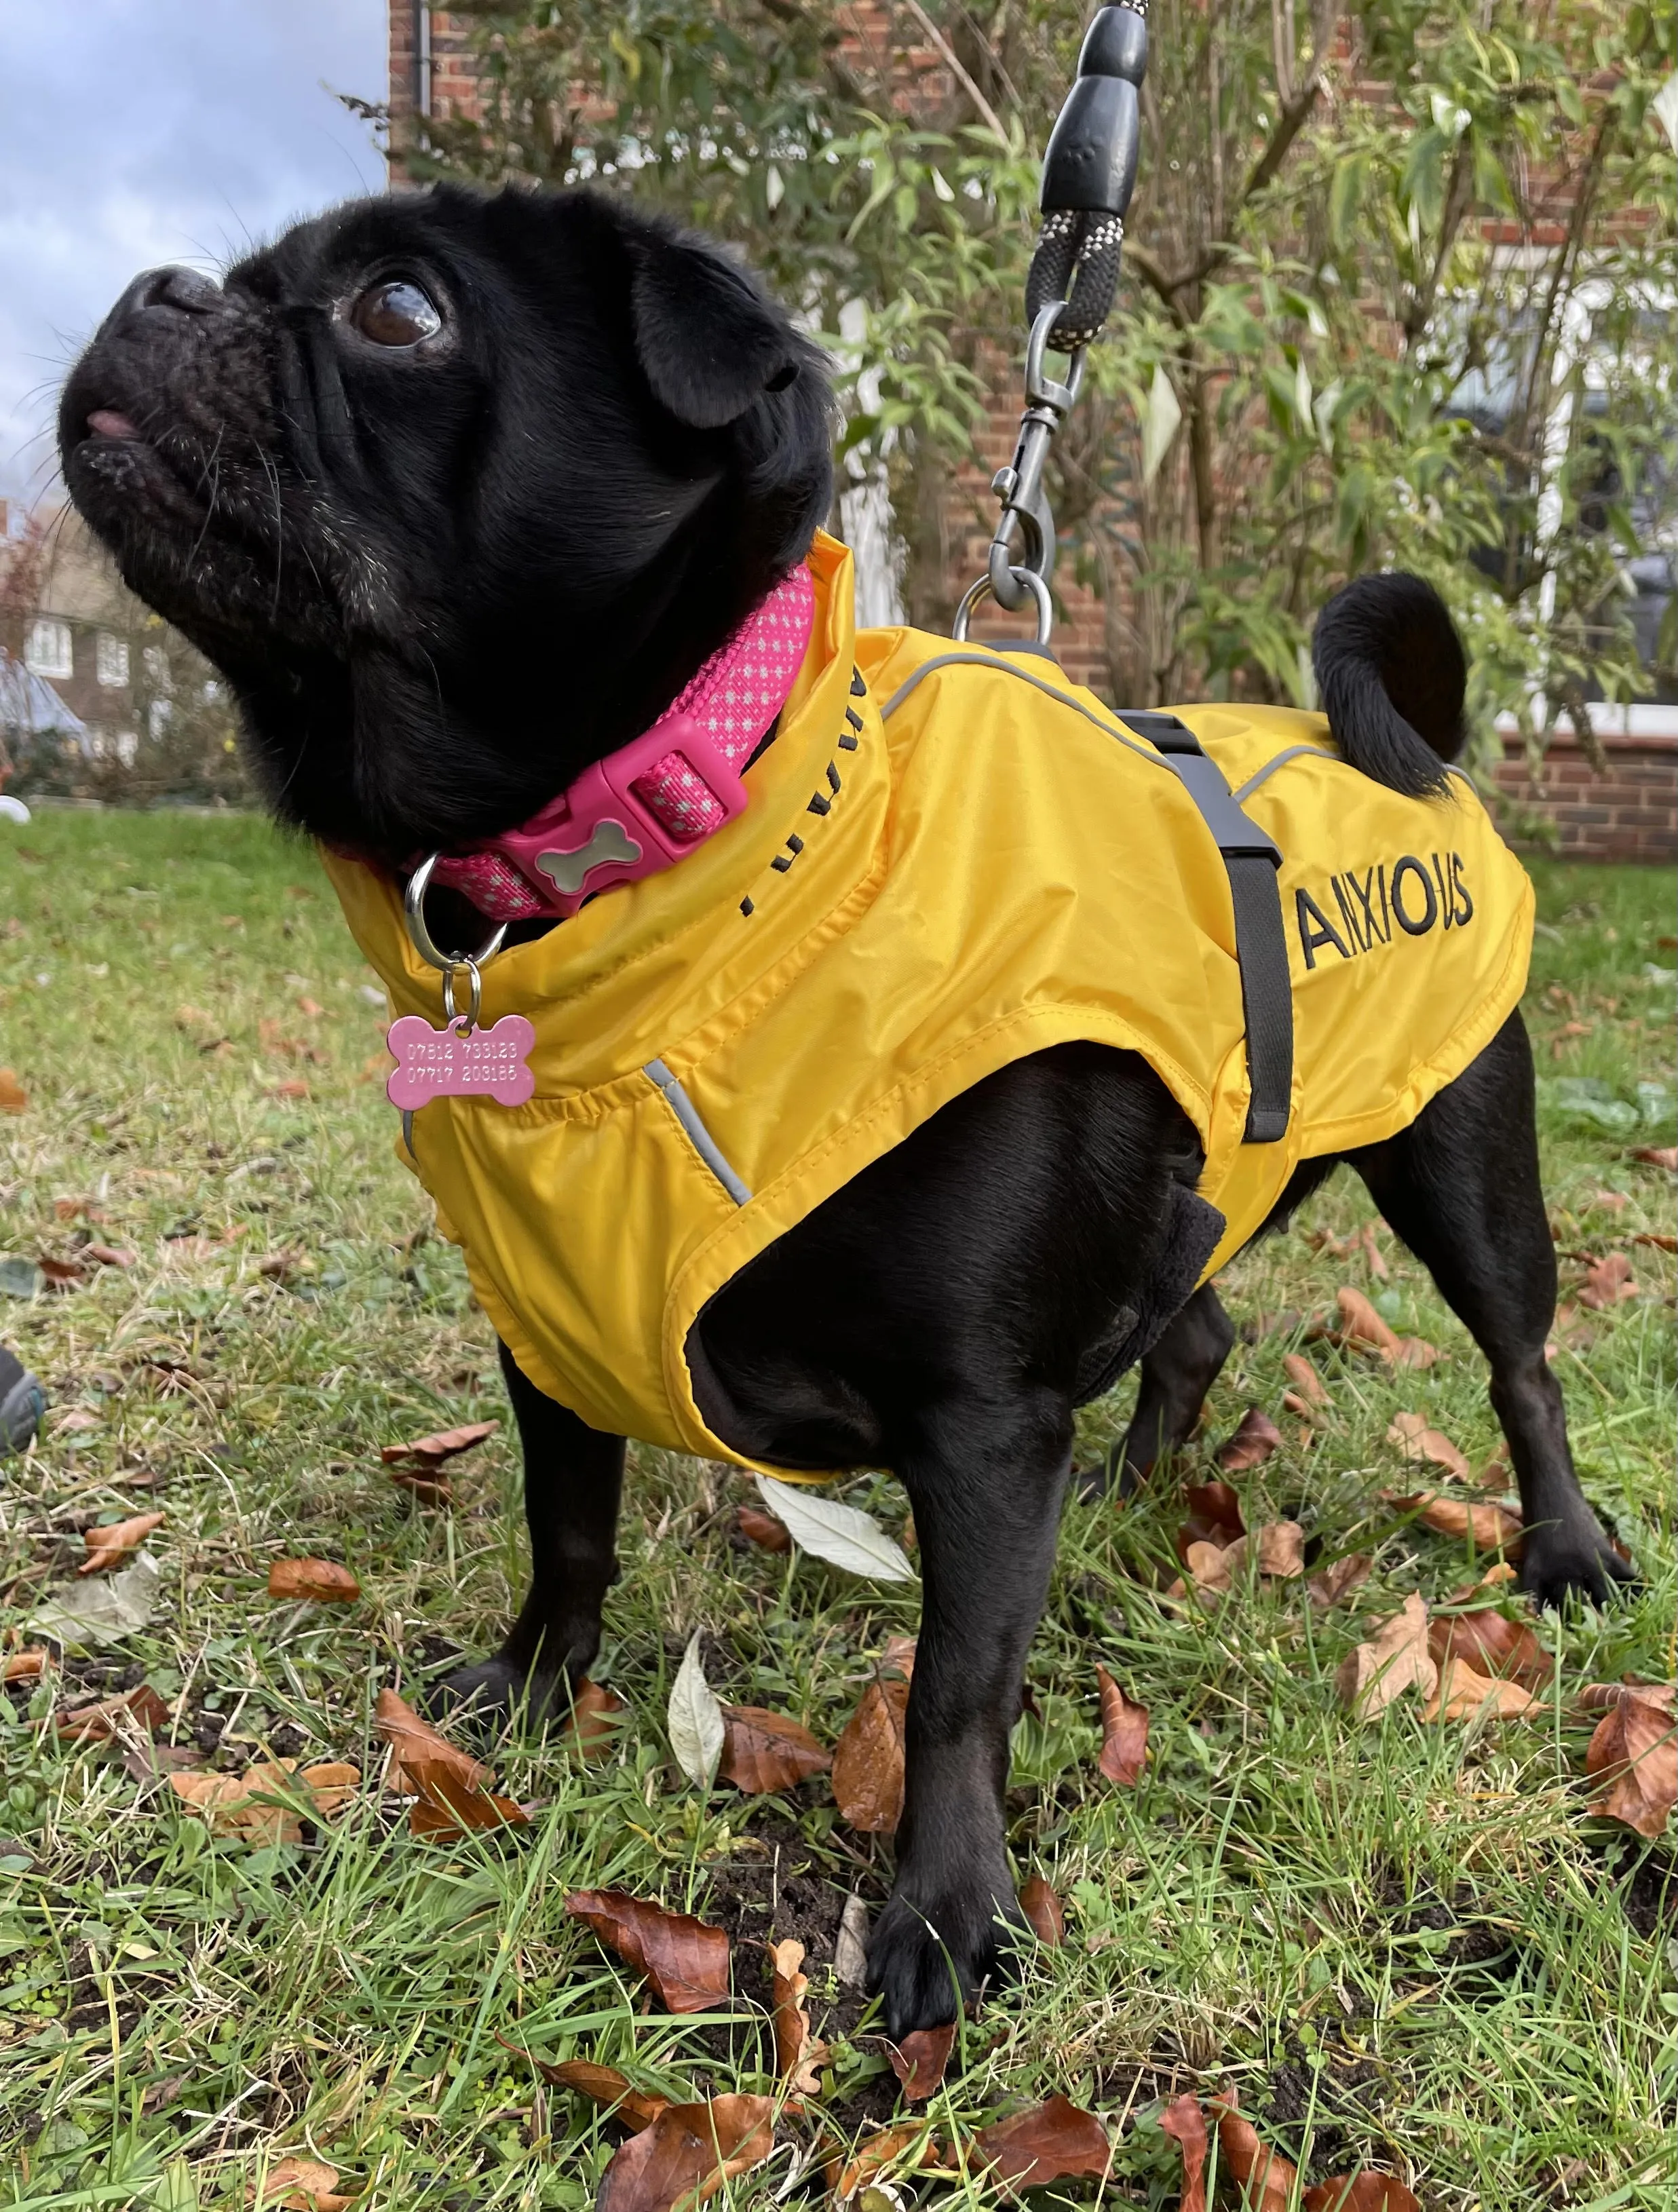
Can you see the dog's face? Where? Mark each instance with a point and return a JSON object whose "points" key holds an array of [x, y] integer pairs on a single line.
{"points": [[456, 490]]}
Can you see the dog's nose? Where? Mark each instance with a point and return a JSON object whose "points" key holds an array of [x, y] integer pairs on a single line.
{"points": [[186, 291]]}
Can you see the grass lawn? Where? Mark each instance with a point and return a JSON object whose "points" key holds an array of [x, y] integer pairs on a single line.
{"points": [[1410, 1943]]}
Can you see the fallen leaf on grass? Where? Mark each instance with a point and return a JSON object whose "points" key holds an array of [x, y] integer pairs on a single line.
{"points": [[597, 1715], [1411, 1433], [263, 1803], [768, 1533], [685, 1960], [850, 1945], [1183, 2120], [14, 1098], [796, 2054], [1124, 1733], [1494, 1528], [293, 1088], [1052, 2142], [110, 1545], [868, 1760], [303, 2185], [1652, 1155], [880, 2152], [61, 1274], [1633, 1754], [1363, 1327], [24, 1666], [1609, 1282], [425, 1452], [1491, 1645], [695, 1720], [601, 2085], [1661, 1242], [1464, 1694], [1214, 1518], [1278, 1548], [764, 1751], [1367, 2191], [1308, 1386], [843, 1535], [688, 2153], [1254, 1441], [1340, 1580], [109, 1255], [450, 1786], [1264, 2176], [108, 1717], [105, 1611], [1395, 1659], [323, 1580], [1043, 1908], [919, 2059]]}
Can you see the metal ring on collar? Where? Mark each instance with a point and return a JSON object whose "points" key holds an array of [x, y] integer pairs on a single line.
{"points": [[413, 903], [475, 981], [980, 589]]}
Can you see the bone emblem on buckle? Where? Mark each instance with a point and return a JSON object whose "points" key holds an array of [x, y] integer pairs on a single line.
{"points": [[566, 870]]}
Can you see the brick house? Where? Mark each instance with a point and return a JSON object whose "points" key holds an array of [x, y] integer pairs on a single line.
{"points": [[1616, 798], [77, 632]]}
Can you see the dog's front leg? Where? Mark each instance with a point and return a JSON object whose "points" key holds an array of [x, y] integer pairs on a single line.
{"points": [[987, 1485], [573, 1479]]}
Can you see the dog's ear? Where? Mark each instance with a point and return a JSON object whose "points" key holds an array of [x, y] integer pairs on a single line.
{"points": [[709, 341]]}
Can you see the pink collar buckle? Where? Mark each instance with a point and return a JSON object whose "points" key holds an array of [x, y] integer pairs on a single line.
{"points": [[600, 832]]}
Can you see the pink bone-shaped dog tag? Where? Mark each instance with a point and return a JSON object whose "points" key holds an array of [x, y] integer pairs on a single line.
{"points": [[459, 1061]]}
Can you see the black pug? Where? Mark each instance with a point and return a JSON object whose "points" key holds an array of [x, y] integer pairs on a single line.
{"points": [[458, 491]]}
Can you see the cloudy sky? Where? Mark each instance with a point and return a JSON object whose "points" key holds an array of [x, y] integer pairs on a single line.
{"points": [[139, 131]]}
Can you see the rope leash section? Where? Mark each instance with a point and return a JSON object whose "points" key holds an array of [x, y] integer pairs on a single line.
{"points": [[1088, 174]]}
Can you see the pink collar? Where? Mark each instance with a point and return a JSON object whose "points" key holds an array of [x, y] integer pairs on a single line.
{"points": [[655, 799]]}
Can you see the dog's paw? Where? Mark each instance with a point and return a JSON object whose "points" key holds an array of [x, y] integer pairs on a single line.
{"points": [[927, 1958], [496, 1693], [1566, 1559]]}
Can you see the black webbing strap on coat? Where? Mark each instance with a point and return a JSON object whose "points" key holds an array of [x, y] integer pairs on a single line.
{"points": [[1252, 862]]}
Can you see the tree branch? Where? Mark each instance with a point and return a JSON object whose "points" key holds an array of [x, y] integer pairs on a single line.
{"points": [[958, 68]]}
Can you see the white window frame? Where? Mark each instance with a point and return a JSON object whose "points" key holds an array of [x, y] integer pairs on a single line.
{"points": [[110, 661], [50, 650]]}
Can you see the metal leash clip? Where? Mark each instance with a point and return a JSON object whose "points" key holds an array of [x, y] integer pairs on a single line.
{"points": [[456, 1023]]}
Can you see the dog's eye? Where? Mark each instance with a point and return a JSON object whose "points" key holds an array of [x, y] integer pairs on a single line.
{"points": [[396, 314]]}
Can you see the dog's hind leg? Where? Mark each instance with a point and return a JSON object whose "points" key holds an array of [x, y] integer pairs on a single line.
{"points": [[573, 1479], [986, 1480], [1177, 1371], [1461, 1186]]}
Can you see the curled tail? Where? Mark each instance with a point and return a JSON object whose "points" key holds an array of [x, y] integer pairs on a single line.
{"points": [[1391, 675]]}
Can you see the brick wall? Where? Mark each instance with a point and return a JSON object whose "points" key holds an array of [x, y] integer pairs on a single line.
{"points": [[1626, 810]]}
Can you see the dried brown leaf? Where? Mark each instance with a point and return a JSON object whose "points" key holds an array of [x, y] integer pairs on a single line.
{"points": [[414, 1743], [1632, 1757], [764, 1751], [796, 2054], [1652, 1155], [601, 2085], [323, 1580], [14, 1098], [1124, 1733], [1367, 2191], [1609, 1282], [868, 1760], [1254, 1441], [597, 1716], [1307, 1381], [1264, 2176], [1043, 1908], [880, 2152], [1361, 1326], [244, 1804], [1491, 1645], [920, 2060], [105, 1718], [1465, 1694], [26, 1665], [448, 1806], [687, 2154], [1411, 1433], [685, 1960], [1214, 1515], [1395, 1659], [1183, 2119], [1052, 2142], [425, 1452], [109, 1255], [766, 1530], [1338, 1580], [1494, 1528], [110, 1545], [303, 2185]]}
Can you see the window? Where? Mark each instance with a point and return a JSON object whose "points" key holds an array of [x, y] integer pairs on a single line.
{"points": [[48, 652], [111, 654]]}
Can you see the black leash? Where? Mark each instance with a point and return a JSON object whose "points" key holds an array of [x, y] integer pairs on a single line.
{"points": [[1087, 176]]}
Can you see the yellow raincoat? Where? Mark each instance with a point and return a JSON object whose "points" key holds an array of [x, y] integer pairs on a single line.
{"points": [[952, 857]]}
